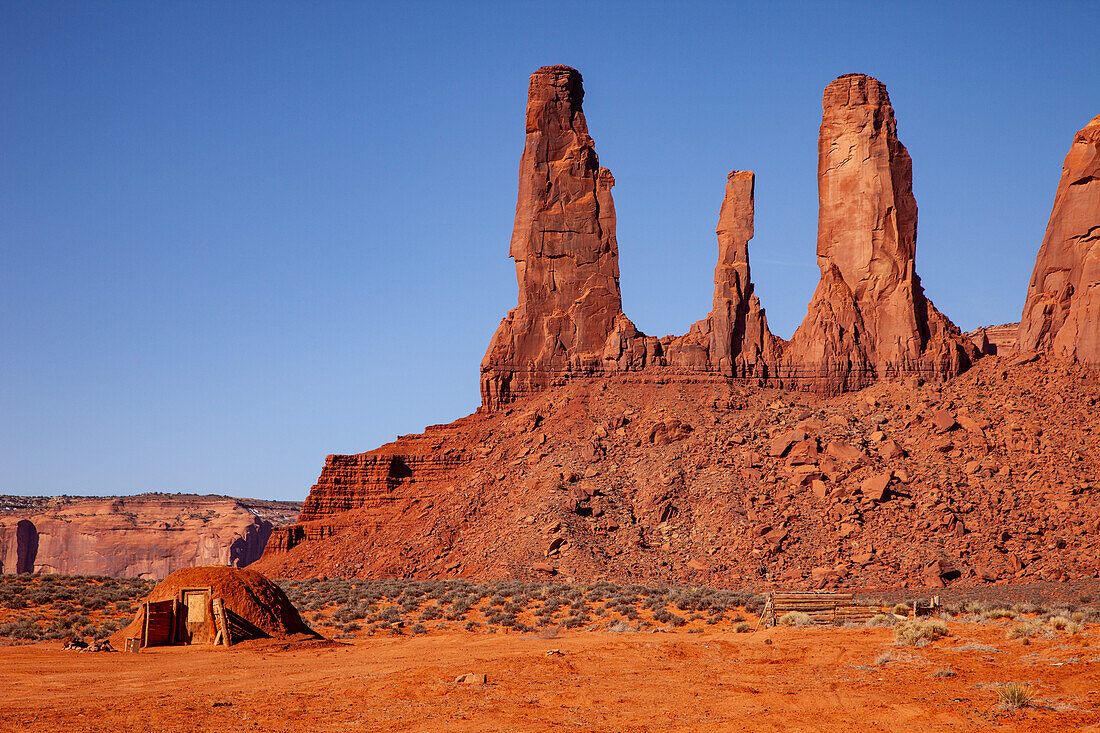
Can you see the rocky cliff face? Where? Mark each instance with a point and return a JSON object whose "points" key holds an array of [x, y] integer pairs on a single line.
{"points": [[1062, 310], [869, 319], [148, 535]]}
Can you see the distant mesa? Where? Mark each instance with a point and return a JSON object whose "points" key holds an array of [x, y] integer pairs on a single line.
{"points": [[146, 535]]}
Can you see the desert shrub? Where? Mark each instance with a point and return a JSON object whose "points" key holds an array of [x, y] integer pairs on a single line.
{"points": [[418, 629], [975, 607], [920, 631], [1027, 608], [22, 629], [1024, 630], [998, 613], [1014, 696], [390, 614], [901, 609], [431, 612], [1058, 623], [662, 615], [881, 620], [795, 618], [743, 627], [472, 625]]}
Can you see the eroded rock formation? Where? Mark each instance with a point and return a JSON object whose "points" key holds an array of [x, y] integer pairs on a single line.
{"points": [[733, 339], [679, 460], [563, 242], [869, 318], [1062, 310], [148, 535]]}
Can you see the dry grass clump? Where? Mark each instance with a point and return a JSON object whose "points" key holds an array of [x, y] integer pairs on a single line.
{"points": [[1061, 623], [743, 627], [1025, 630], [920, 631], [993, 614], [796, 619], [1014, 696], [881, 620], [901, 609]]}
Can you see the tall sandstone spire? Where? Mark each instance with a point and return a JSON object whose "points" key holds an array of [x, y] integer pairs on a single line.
{"points": [[1062, 310], [563, 242], [734, 338], [869, 318]]}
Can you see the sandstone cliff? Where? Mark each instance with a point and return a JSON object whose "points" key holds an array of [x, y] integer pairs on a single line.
{"points": [[1062, 310], [148, 535]]}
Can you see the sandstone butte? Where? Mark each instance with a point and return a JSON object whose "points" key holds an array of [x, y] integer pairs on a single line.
{"points": [[148, 535], [880, 446]]}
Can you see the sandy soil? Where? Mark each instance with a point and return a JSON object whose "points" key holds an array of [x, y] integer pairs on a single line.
{"points": [[805, 679]]}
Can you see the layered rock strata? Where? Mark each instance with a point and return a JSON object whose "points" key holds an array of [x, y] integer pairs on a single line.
{"points": [[1062, 310], [412, 469], [869, 318]]}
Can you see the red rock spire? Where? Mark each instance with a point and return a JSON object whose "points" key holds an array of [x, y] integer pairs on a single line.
{"points": [[869, 318], [1062, 310], [564, 246]]}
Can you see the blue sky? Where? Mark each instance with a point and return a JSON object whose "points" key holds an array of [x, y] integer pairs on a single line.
{"points": [[240, 236]]}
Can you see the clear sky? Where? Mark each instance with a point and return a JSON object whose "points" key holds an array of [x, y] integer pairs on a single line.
{"points": [[239, 236]]}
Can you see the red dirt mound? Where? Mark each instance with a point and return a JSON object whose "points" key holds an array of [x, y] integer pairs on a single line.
{"points": [[246, 593]]}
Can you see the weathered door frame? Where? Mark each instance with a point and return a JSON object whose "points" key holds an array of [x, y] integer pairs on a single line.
{"points": [[181, 623]]}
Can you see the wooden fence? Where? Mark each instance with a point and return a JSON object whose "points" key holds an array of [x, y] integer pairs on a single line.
{"points": [[822, 608]]}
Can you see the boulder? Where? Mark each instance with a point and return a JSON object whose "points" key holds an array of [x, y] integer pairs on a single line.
{"points": [[669, 431], [943, 421], [876, 488]]}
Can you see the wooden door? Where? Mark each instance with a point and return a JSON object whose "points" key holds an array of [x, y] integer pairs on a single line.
{"points": [[158, 623], [195, 618]]}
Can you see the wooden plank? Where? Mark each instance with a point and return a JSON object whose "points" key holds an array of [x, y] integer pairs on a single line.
{"points": [[224, 635]]}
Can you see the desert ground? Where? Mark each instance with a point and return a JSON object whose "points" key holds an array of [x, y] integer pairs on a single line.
{"points": [[781, 679]]}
